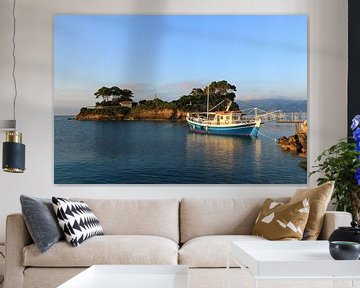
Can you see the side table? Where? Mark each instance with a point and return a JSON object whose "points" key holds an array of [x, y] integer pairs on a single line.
{"points": [[294, 263]]}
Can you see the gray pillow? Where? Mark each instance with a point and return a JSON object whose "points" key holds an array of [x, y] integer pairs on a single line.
{"points": [[41, 221]]}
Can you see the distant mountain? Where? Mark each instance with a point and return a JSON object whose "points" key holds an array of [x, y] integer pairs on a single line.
{"points": [[275, 104]]}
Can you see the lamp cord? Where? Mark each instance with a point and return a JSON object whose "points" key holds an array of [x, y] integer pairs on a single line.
{"points": [[14, 61]]}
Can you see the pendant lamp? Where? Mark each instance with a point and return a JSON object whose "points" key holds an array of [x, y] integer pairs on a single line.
{"points": [[13, 149]]}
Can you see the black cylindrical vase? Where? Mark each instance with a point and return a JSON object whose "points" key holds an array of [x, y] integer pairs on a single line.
{"points": [[13, 153]]}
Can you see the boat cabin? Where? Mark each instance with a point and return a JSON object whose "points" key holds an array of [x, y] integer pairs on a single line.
{"points": [[227, 117]]}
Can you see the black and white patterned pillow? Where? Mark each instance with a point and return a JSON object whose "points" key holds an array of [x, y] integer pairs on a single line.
{"points": [[77, 220]]}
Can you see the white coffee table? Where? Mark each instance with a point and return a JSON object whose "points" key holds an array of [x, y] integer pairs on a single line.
{"points": [[297, 260], [131, 276]]}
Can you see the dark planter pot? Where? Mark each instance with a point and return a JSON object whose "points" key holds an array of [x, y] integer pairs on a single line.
{"points": [[351, 233], [343, 250]]}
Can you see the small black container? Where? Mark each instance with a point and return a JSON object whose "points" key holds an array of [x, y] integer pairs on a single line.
{"points": [[351, 233], [344, 250]]}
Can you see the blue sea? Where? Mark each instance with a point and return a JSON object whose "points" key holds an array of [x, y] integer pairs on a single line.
{"points": [[154, 152]]}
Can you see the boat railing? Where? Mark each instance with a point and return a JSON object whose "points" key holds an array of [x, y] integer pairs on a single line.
{"points": [[202, 119]]}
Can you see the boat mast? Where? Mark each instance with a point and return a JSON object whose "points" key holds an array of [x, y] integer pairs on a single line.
{"points": [[228, 106], [207, 102]]}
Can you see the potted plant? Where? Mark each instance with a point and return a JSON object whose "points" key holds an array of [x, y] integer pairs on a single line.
{"points": [[341, 163]]}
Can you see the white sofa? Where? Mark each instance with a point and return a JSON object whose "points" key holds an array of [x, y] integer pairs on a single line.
{"points": [[194, 232]]}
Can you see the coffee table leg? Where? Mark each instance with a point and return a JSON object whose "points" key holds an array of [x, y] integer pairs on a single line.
{"points": [[228, 270], [255, 283]]}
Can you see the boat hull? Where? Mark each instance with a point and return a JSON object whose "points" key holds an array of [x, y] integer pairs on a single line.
{"points": [[234, 130]]}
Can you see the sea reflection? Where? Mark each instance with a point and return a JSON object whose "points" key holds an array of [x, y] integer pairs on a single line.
{"points": [[218, 152], [257, 152]]}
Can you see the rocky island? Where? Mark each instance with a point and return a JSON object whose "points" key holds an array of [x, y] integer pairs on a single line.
{"points": [[137, 112], [117, 104]]}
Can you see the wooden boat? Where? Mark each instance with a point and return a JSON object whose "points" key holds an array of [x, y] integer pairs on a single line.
{"points": [[232, 123]]}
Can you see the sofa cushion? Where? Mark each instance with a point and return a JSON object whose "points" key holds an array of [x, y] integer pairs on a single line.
{"points": [[279, 221], [41, 221], [77, 220], [211, 251], [107, 249], [319, 198], [158, 217], [201, 217]]}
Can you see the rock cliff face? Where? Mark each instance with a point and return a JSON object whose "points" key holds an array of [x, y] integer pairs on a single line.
{"points": [[157, 114], [137, 113], [101, 114], [296, 143]]}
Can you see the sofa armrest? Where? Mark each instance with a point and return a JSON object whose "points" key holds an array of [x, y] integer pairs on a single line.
{"points": [[333, 220], [17, 237]]}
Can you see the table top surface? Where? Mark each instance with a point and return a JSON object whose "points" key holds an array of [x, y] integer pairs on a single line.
{"points": [[291, 258], [285, 250], [131, 276]]}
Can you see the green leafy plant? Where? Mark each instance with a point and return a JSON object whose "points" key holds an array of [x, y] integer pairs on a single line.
{"points": [[340, 163]]}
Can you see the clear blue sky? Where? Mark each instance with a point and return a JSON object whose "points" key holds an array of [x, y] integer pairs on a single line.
{"points": [[264, 56]]}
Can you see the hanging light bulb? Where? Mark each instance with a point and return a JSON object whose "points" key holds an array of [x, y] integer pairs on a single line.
{"points": [[13, 149]]}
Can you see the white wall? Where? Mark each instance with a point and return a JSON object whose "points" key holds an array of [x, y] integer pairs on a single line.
{"points": [[327, 89]]}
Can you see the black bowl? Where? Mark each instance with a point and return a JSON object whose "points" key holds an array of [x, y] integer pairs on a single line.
{"points": [[344, 250]]}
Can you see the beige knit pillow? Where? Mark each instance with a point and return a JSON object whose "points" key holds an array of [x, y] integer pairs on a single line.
{"points": [[319, 198], [279, 221]]}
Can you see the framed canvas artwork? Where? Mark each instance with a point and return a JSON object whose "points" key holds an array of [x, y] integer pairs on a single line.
{"points": [[180, 99]]}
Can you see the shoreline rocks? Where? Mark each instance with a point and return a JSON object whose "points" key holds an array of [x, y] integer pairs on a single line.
{"points": [[295, 143]]}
